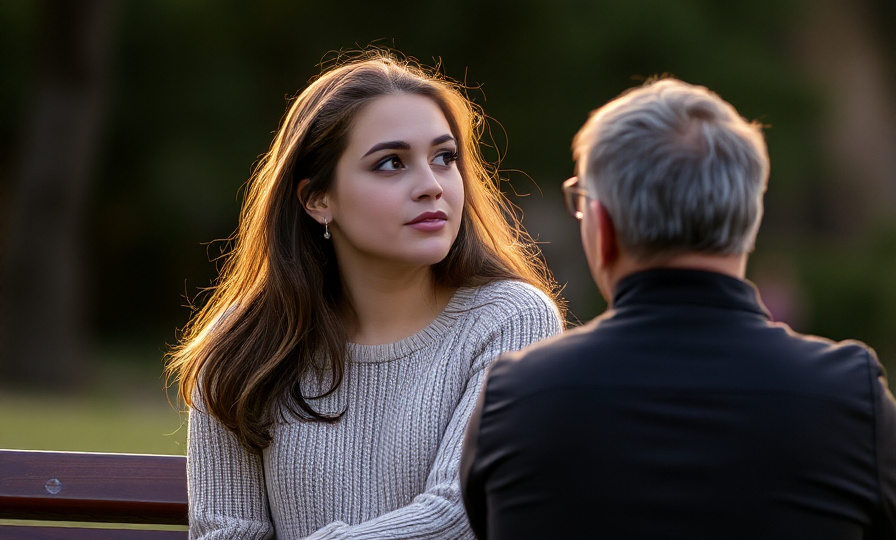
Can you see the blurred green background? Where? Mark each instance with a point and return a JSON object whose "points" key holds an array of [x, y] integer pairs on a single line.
{"points": [[128, 128]]}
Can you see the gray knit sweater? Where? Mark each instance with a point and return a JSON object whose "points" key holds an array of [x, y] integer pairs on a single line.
{"points": [[389, 468]]}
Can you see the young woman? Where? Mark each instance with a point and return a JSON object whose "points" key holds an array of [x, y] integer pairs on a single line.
{"points": [[373, 279]]}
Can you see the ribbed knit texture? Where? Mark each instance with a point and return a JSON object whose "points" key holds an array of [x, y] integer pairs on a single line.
{"points": [[389, 468]]}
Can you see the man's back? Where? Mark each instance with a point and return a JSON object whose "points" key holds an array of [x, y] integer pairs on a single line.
{"points": [[683, 413]]}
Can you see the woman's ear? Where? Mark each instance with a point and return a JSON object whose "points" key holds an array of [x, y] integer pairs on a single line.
{"points": [[315, 205]]}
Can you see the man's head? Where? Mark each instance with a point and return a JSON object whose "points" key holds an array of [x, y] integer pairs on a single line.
{"points": [[674, 172]]}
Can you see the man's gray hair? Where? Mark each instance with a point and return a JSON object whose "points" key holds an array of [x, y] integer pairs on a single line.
{"points": [[677, 169]]}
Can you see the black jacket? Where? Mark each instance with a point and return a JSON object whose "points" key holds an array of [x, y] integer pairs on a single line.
{"points": [[683, 412]]}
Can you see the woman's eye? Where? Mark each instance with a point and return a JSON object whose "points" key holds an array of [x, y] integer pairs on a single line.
{"points": [[445, 158], [390, 163]]}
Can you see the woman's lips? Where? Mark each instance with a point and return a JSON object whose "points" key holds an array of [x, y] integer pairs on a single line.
{"points": [[429, 221]]}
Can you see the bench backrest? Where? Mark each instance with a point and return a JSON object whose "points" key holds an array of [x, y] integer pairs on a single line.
{"points": [[81, 489]]}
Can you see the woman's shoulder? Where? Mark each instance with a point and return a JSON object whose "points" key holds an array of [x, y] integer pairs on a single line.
{"points": [[504, 297], [507, 315]]}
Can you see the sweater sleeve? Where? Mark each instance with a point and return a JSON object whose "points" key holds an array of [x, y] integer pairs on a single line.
{"points": [[225, 484], [438, 512]]}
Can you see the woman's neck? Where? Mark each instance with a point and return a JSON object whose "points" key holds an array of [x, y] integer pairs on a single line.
{"points": [[390, 305]]}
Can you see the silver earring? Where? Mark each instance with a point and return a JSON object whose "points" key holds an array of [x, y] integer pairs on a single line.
{"points": [[326, 229]]}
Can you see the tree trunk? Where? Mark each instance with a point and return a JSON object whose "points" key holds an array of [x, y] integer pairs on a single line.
{"points": [[44, 308], [842, 48]]}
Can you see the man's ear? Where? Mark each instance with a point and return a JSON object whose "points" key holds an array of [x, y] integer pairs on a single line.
{"points": [[606, 231], [315, 205]]}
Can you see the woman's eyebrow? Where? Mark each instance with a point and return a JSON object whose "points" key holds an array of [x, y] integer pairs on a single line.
{"points": [[443, 139], [388, 145], [402, 145]]}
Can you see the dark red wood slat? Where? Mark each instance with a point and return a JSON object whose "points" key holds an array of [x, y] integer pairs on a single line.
{"points": [[82, 486], [15, 532]]}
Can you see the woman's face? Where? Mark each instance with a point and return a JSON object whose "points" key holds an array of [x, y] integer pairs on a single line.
{"points": [[397, 195]]}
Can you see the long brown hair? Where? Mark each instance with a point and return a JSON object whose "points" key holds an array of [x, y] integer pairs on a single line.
{"points": [[276, 314]]}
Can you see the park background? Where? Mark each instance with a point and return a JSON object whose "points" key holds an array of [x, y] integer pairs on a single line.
{"points": [[127, 129]]}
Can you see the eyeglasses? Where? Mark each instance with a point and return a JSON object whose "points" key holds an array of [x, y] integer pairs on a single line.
{"points": [[574, 198]]}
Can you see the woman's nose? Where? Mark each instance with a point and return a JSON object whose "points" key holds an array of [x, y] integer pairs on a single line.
{"points": [[427, 185]]}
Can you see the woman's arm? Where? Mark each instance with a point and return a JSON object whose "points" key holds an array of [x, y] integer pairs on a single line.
{"points": [[225, 484]]}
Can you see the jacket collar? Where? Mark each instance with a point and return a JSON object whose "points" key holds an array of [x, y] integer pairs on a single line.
{"points": [[691, 287]]}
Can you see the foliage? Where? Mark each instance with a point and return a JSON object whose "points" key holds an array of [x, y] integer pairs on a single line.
{"points": [[198, 88]]}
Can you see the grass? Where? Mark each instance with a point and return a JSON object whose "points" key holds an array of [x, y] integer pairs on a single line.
{"points": [[125, 409], [80, 423]]}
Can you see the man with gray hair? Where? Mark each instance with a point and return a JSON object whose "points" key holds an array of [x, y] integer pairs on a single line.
{"points": [[684, 411]]}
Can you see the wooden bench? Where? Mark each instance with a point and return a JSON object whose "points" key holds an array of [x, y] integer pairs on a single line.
{"points": [[68, 495]]}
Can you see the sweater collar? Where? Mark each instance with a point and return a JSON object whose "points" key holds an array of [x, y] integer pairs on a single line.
{"points": [[692, 287], [432, 334]]}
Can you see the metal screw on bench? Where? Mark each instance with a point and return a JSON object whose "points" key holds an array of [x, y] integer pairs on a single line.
{"points": [[53, 486]]}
